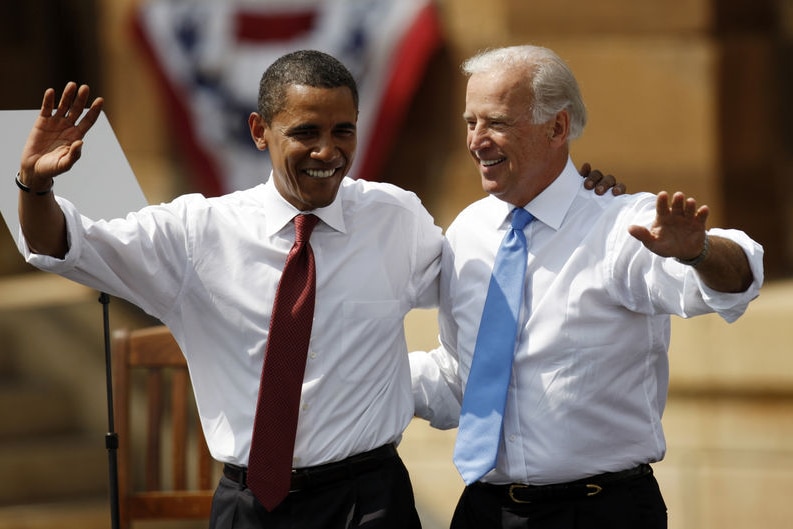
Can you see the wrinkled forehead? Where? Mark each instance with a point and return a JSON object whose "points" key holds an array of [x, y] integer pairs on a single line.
{"points": [[498, 91], [311, 102]]}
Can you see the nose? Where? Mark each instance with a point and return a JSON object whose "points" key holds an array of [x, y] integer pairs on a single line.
{"points": [[325, 150], [477, 137]]}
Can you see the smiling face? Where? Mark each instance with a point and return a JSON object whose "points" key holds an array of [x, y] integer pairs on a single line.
{"points": [[516, 158], [312, 143]]}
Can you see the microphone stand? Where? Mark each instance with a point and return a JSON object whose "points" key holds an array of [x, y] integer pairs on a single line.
{"points": [[111, 438]]}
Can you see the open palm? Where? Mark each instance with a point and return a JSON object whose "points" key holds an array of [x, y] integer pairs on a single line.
{"points": [[56, 139], [678, 229]]}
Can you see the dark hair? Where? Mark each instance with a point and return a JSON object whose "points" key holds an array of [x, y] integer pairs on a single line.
{"points": [[304, 67]]}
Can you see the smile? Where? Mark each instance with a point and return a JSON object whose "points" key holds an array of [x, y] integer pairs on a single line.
{"points": [[491, 163], [320, 173]]}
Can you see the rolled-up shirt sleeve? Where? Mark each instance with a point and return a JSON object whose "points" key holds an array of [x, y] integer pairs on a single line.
{"points": [[143, 253], [732, 306], [436, 387]]}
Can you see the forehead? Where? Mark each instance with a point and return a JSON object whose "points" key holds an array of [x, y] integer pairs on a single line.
{"points": [[310, 103], [498, 90]]}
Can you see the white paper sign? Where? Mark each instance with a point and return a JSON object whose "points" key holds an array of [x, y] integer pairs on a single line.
{"points": [[101, 184]]}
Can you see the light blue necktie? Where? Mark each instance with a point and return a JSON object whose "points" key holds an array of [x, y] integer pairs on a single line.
{"points": [[485, 396]]}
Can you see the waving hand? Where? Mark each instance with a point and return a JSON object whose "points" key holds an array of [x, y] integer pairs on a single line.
{"points": [[55, 142]]}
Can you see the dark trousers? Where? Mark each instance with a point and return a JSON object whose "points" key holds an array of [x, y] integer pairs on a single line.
{"points": [[381, 498], [632, 504]]}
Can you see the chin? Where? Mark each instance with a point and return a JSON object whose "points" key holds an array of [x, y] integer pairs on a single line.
{"points": [[490, 186]]}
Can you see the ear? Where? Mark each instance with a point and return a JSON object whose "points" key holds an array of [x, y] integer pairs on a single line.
{"points": [[258, 126], [559, 128]]}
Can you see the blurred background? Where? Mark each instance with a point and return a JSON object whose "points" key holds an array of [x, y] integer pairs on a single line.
{"points": [[682, 94]]}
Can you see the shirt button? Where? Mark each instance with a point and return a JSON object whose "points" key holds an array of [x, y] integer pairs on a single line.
{"points": [[312, 355], [304, 406], [511, 438]]}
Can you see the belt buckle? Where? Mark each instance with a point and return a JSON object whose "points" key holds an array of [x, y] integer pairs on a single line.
{"points": [[593, 489], [511, 492]]}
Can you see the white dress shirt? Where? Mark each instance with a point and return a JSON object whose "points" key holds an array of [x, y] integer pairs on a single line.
{"points": [[209, 267], [590, 375]]}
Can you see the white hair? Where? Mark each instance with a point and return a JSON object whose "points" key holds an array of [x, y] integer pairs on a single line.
{"points": [[553, 84]]}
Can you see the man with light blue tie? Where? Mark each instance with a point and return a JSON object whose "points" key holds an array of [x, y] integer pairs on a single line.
{"points": [[559, 387]]}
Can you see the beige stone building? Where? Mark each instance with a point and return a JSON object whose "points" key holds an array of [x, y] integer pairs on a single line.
{"points": [[682, 94]]}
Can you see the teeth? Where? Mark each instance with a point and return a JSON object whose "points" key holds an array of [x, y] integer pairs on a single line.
{"points": [[319, 173], [489, 163]]}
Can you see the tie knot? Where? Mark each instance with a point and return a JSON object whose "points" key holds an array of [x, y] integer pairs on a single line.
{"points": [[304, 225], [520, 218]]}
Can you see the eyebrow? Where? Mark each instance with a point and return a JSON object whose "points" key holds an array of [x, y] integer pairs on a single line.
{"points": [[309, 127], [489, 117], [303, 127]]}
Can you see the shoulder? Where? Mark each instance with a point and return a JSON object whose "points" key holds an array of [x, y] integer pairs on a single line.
{"points": [[196, 208], [636, 206], [365, 195], [610, 206], [234, 199], [477, 212]]}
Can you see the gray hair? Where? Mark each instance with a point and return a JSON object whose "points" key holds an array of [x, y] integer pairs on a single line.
{"points": [[553, 84]]}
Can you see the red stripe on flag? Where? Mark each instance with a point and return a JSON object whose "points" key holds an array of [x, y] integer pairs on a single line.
{"points": [[410, 60], [257, 27], [204, 173]]}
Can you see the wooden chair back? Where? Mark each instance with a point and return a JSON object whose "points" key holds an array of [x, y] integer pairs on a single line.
{"points": [[178, 473]]}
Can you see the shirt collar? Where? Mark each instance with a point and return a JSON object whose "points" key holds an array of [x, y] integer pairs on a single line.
{"points": [[551, 206], [280, 212]]}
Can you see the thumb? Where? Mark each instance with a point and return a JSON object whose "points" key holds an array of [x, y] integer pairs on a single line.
{"points": [[72, 155], [641, 233]]}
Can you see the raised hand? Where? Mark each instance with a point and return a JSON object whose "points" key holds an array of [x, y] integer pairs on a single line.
{"points": [[55, 142], [678, 229]]}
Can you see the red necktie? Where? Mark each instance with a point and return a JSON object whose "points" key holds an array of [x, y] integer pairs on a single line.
{"points": [[273, 442]]}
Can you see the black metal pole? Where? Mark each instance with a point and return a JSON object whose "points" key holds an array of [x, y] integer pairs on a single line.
{"points": [[111, 438]]}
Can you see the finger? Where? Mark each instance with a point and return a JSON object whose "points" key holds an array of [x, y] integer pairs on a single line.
{"points": [[618, 189], [78, 103], [641, 233], [690, 207], [606, 182], [589, 179], [75, 151], [662, 204], [66, 99], [70, 157], [702, 214], [47, 102], [593, 178], [678, 203], [91, 116]]}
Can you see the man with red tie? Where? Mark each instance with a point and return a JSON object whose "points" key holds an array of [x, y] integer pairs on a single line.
{"points": [[210, 268], [306, 277]]}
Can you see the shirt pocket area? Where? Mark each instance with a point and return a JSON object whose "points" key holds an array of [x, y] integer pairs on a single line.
{"points": [[373, 340]]}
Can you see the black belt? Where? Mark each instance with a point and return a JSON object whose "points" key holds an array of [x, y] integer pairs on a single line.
{"points": [[312, 477], [581, 488]]}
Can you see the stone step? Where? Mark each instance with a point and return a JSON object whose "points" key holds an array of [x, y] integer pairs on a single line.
{"points": [[85, 513], [90, 513], [40, 290], [33, 408], [52, 468]]}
